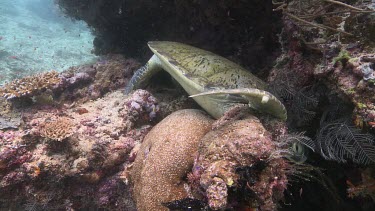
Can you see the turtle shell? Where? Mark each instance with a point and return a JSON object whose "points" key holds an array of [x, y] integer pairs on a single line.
{"points": [[207, 70]]}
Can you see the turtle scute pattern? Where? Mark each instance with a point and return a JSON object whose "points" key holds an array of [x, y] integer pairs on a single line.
{"points": [[206, 68]]}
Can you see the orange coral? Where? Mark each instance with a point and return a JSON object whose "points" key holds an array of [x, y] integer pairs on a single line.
{"points": [[29, 85], [58, 129]]}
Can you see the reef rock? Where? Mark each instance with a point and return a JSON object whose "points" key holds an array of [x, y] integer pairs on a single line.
{"points": [[81, 146], [241, 144], [165, 157]]}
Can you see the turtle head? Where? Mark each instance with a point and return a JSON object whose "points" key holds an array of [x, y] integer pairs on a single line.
{"points": [[298, 146], [298, 153]]}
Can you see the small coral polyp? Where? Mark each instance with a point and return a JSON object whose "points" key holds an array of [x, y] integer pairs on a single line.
{"points": [[58, 129], [30, 85]]}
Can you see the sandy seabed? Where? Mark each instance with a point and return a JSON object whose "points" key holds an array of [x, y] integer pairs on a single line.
{"points": [[35, 36]]}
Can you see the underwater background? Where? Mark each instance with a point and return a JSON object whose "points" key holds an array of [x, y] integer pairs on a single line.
{"points": [[36, 36], [74, 135]]}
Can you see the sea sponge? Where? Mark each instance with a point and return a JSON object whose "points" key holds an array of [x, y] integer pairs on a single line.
{"points": [[30, 85], [165, 157], [58, 129]]}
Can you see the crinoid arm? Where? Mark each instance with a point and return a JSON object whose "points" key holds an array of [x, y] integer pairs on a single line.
{"points": [[256, 98], [143, 74], [342, 141]]}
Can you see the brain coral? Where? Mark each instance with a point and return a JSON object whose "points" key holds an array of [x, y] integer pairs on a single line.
{"points": [[29, 85], [57, 129], [165, 157]]}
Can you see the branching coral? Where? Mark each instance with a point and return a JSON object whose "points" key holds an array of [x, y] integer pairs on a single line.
{"points": [[30, 85], [58, 129]]}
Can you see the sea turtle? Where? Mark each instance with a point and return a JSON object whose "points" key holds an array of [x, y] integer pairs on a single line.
{"points": [[214, 82]]}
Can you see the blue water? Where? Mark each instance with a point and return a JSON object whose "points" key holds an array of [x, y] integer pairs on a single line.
{"points": [[35, 36]]}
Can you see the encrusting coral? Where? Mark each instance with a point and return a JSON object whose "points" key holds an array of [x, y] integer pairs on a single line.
{"points": [[30, 85], [165, 157], [236, 145], [58, 129]]}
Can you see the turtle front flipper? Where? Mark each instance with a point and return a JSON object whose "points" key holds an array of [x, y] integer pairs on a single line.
{"points": [[143, 74], [258, 99]]}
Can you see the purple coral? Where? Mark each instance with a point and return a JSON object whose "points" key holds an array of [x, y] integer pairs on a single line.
{"points": [[142, 105], [78, 78]]}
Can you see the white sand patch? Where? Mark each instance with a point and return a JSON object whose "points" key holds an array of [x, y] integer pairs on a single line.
{"points": [[35, 36]]}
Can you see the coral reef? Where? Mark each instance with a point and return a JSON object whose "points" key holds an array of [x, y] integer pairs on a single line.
{"points": [[90, 82], [161, 172], [72, 144], [165, 157], [57, 129], [30, 85], [68, 155], [239, 144], [327, 60], [327, 63], [316, 53], [88, 156]]}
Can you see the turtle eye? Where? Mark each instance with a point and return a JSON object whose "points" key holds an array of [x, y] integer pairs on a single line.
{"points": [[298, 149], [298, 153]]}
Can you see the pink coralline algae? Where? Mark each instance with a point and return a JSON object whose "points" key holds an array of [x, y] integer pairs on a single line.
{"points": [[101, 138], [179, 161], [67, 155], [89, 82], [14, 156], [236, 145], [90, 154]]}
